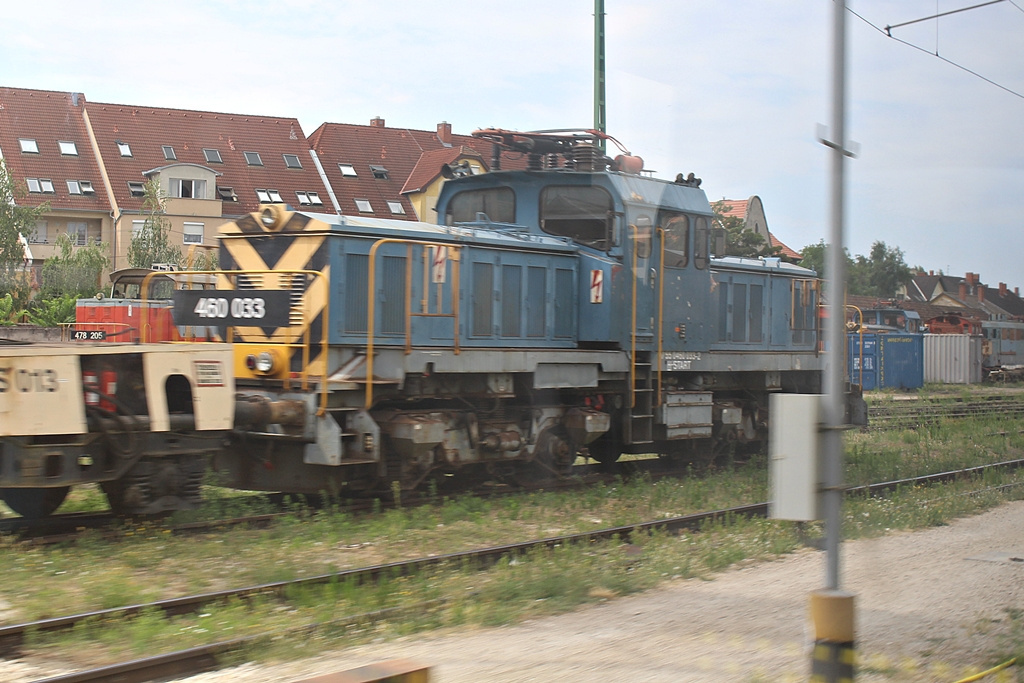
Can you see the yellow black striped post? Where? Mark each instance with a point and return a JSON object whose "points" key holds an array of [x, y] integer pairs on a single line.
{"points": [[833, 658]]}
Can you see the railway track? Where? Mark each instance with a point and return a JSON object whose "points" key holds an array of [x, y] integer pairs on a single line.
{"points": [[204, 658], [916, 414]]}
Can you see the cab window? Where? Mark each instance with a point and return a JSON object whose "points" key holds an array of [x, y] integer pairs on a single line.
{"points": [[701, 243], [677, 241], [580, 213], [498, 204]]}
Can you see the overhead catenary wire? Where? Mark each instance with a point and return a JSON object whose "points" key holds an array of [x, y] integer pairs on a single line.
{"points": [[886, 32]]}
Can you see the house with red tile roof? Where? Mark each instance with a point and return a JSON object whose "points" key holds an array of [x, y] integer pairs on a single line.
{"points": [[751, 211], [48, 150]]}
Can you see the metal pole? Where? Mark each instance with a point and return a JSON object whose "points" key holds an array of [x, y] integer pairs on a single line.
{"points": [[832, 610], [600, 124], [832, 445]]}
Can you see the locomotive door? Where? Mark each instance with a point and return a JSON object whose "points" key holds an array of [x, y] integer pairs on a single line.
{"points": [[643, 281]]}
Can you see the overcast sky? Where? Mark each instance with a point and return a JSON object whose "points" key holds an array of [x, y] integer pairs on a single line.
{"points": [[732, 90]]}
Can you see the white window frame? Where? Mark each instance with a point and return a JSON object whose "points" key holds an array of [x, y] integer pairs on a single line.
{"points": [[169, 153], [137, 226], [302, 197], [379, 172], [137, 189], [396, 207], [212, 155], [226, 194], [33, 185], [288, 161], [74, 187], [275, 196], [47, 185], [124, 148], [198, 188], [348, 170], [39, 237], [87, 187], [263, 196], [68, 148], [28, 146], [314, 198], [249, 159], [193, 230], [363, 205]]}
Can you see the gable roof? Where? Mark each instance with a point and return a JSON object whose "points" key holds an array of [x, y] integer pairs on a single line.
{"points": [[47, 118], [146, 130], [428, 166]]}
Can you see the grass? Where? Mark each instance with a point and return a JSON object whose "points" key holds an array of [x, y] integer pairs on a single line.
{"points": [[152, 564]]}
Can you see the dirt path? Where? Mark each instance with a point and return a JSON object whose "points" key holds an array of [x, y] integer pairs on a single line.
{"points": [[930, 604]]}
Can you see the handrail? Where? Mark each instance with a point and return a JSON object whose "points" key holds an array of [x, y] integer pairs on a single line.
{"points": [[371, 303], [634, 236], [660, 231], [860, 345]]}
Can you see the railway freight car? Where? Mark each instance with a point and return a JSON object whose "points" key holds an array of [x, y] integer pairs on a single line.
{"points": [[139, 420], [572, 309]]}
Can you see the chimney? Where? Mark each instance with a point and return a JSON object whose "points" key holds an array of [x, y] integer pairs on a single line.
{"points": [[970, 278], [981, 294], [444, 133], [376, 122], [1016, 291], [963, 290], [1002, 289], [931, 272], [75, 96]]}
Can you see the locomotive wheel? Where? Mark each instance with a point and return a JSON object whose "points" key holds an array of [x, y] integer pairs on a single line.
{"points": [[605, 451], [34, 503]]}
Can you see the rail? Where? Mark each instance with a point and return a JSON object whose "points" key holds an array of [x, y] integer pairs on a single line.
{"points": [[453, 253]]}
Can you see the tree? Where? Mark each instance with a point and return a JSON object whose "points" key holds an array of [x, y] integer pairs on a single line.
{"points": [[17, 223], [888, 270], [738, 240], [880, 274], [75, 272], [152, 243]]}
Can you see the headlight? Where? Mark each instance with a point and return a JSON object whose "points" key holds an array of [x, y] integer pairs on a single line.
{"points": [[265, 362]]}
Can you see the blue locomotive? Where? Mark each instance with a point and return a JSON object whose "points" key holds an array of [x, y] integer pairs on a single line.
{"points": [[575, 308]]}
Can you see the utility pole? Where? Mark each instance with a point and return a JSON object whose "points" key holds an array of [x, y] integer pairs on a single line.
{"points": [[600, 123], [832, 610]]}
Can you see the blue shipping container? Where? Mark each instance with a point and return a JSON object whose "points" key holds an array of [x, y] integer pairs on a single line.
{"points": [[881, 361]]}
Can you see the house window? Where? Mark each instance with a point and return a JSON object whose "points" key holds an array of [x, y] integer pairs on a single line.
{"points": [[212, 156], [275, 196], [193, 233], [263, 195], [363, 205], [39, 236], [137, 227], [169, 154], [303, 197], [314, 198], [74, 187], [68, 148], [291, 161], [396, 208], [77, 232], [47, 185], [379, 172], [33, 185], [86, 187], [227, 194], [348, 170], [188, 189], [137, 189], [124, 148], [28, 146], [253, 158]]}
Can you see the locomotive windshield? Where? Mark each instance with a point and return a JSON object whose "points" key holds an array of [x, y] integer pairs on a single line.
{"points": [[578, 212], [497, 203], [677, 240]]}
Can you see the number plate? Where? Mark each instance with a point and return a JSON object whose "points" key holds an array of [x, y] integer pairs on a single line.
{"points": [[250, 308], [88, 335]]}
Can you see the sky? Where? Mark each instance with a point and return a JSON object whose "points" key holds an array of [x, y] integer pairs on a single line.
{"points": [[738, 92]]}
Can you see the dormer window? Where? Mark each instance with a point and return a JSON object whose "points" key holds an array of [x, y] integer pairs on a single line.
{"points": [[68, 148], [347, 170], [188, 189], [124, 148], [291, 161], [28, 146], [212, 156], [379, 172], [169, 154], [253, 158]]}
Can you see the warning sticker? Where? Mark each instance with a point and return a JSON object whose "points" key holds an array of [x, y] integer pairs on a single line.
{"points": [[209, 373], [596, 286]]}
